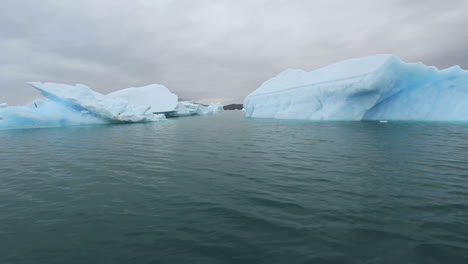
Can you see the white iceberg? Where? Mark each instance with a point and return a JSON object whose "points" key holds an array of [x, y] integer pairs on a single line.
{"points": [[216, 108], [82, 98], [380, 87], [183, 109], [68, 105], [157, 96], [163, 101], [189, 108], [73, 105], [44, 113], [3, 105]]}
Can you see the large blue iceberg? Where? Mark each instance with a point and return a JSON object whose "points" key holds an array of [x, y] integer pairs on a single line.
{"points": [[71, 105], [380, 87], [68, 105]]}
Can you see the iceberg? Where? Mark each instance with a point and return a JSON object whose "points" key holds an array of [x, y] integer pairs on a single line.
{"points": [[69, 105], [83, 99], [189, 108], [44, 113], [73, 105], [216, 108], [161, 100], [380, 87], [183, 109], [157, 96]]}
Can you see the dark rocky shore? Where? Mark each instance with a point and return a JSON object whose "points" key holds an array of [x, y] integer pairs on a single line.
{"points": [[233, 107]]}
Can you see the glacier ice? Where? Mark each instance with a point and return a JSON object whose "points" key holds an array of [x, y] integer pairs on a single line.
{"points": [[188, 108], [212, 108], [68, 105], [157, 96], [73, 105], [380, 87], [44, 113], [161, 100], [83, 99], [216, 108]]}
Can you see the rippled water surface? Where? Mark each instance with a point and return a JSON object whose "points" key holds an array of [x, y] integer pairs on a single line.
{"points": [[224, 189]]}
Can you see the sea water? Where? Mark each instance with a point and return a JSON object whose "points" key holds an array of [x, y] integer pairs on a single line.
{"points": [[225, 189]]}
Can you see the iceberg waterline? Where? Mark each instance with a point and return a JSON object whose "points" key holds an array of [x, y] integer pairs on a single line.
{"points": [[68, 105], [380, 87]]}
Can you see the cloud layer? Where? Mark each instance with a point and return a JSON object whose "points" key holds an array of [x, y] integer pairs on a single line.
{"points": [[213, 50]]}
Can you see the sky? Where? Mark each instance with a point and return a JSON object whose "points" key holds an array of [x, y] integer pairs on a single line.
{"points": [[213, 50]]}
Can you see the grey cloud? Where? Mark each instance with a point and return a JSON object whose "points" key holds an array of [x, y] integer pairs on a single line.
{"points": [[213, 49]]}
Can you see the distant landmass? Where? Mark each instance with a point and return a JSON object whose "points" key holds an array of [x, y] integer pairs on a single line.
{"points": [[233, 107]]}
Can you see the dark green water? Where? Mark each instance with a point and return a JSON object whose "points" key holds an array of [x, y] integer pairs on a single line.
{"points": [[223, 189]]}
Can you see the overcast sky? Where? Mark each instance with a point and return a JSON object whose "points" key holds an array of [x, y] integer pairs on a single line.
{"points": [[213, 50]]}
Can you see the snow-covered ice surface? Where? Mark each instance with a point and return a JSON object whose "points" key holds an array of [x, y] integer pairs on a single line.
{"points": [[73, 105], [380, 87], [157, 96]]}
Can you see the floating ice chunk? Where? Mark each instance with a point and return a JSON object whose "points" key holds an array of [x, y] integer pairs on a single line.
{"points": [[188, 108], [182, 110], [77, 105], [216, 108], [205, 110], [380, 87], [46, 114], [82, 98], [73, 105], [162, 100], [158, 97]]}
